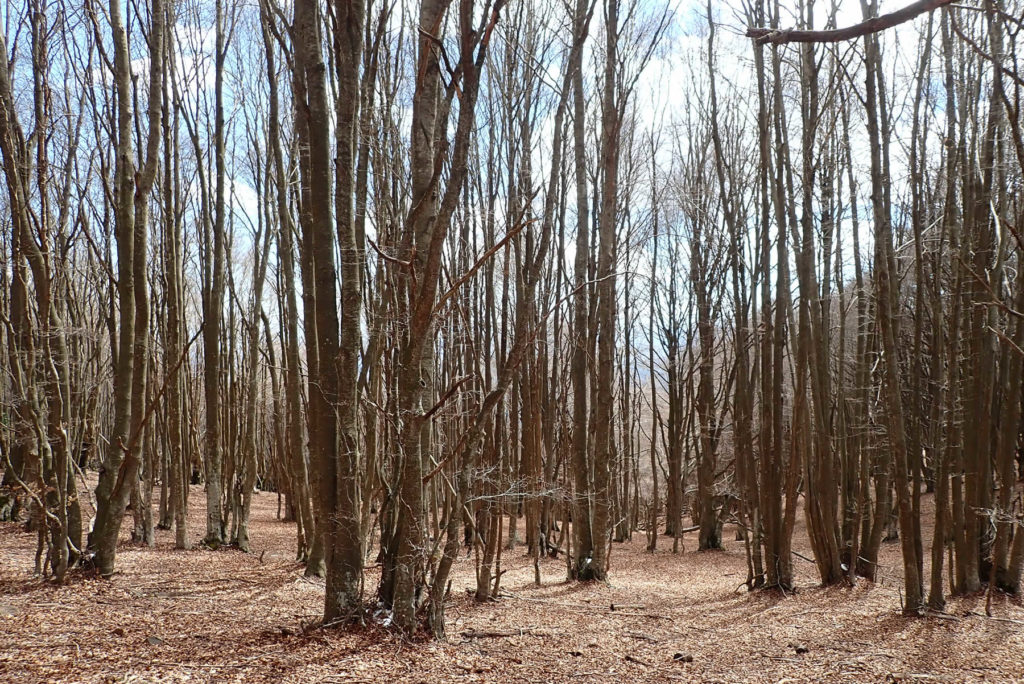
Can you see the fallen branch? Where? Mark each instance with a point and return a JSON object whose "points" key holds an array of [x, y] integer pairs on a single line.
{"points": [[942, 616], [997, 619], [653, 616], [504, 633], [641, 636]]}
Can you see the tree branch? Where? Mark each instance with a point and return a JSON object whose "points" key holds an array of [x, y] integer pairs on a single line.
{"points": [[873, 25]]}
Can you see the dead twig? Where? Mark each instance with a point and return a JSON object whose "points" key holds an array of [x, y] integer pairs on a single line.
{"points": [[997, 619]]}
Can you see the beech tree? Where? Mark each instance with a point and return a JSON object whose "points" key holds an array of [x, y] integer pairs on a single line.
{"points": [[120, 468]]}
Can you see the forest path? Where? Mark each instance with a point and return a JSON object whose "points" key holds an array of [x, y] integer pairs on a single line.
{"points": [[228, 616]]}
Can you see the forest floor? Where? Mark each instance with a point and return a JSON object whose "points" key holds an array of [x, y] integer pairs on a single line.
{"points": [[229, 616]]}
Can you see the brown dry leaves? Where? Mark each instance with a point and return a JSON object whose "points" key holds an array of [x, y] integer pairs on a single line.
{"points": [[228, 616]]}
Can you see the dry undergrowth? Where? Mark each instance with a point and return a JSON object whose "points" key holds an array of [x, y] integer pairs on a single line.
{"points": [[229, 616]]}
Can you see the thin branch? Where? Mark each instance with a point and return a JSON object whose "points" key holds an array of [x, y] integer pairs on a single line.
{"points": [[479, 263]]}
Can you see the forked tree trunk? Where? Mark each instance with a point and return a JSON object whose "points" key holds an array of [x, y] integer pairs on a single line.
{"points": [[121, 463]]}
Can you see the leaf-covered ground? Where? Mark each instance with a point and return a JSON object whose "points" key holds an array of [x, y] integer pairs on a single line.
{"points": [[229, 616]]}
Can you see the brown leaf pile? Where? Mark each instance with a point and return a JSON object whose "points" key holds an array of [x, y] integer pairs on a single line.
{"points": [[228, 616]]}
